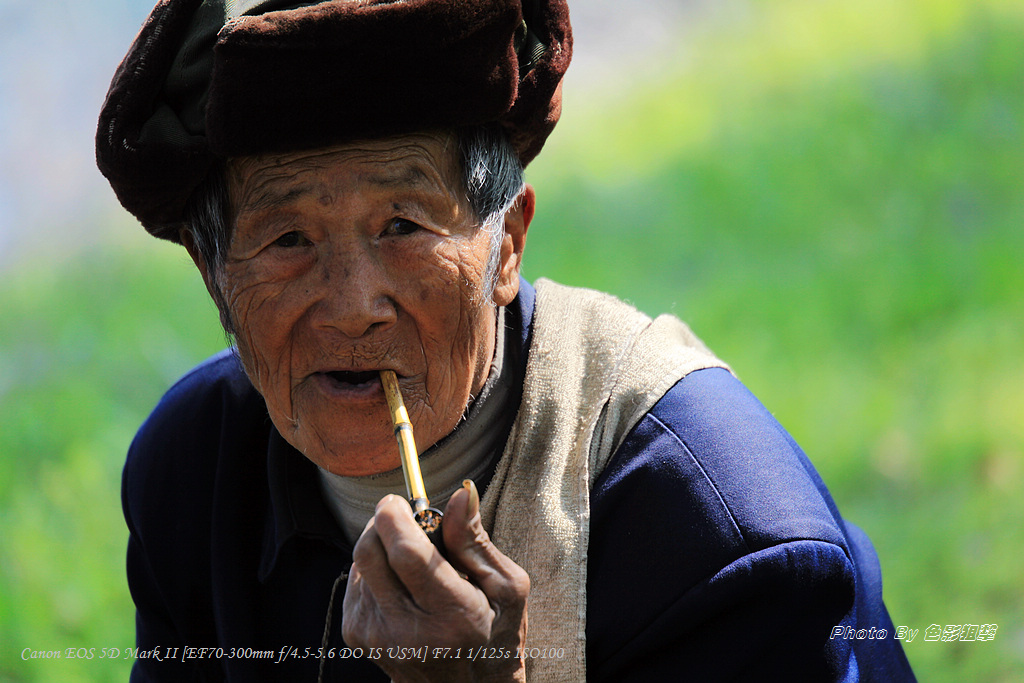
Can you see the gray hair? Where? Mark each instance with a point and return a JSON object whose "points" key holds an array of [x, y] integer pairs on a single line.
{"points": [[491, 174]]}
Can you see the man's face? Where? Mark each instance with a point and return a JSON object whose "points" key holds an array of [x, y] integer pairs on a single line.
{"points": [[347, 260]]}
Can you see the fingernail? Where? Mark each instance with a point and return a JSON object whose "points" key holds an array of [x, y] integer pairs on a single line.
{"points": [[473, 506]]}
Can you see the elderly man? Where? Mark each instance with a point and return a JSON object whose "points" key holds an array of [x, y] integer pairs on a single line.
{"points": [[348, 178]]}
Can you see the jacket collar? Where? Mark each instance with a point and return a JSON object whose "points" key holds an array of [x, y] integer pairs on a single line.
{"points": [[296, 506]]}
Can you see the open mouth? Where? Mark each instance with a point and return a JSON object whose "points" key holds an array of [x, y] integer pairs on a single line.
{"points": [[354, 379]]}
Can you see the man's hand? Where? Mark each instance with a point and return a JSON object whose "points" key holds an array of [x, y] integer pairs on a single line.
{"points": [[402, 593]]}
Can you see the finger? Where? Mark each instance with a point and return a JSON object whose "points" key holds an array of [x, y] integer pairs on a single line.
{"points": [[470, 549], [413, 559], [370, 574], [371, 592]]}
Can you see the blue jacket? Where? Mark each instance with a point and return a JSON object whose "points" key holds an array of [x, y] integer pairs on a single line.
{"points": [[716, 552]]}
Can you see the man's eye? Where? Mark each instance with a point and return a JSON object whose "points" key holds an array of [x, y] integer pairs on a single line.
{"points": [[291, 239], [401, 226]]}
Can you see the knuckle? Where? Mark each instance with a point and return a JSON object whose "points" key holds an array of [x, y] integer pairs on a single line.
{"points": [[520, 582], [364, 551], [515, 577], [514, 588], [352, 634], [376, 639], [404, 557]]}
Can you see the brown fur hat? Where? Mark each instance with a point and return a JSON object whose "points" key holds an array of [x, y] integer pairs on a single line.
{"points": [[213, 79]]}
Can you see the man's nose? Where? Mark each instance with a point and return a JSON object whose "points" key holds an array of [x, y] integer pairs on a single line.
{"points": [[355, 291]]}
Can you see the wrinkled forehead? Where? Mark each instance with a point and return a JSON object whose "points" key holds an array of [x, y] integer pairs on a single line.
{"points": [[425, 162]]}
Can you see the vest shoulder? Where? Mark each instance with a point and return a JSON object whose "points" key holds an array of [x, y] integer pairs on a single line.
{"points": [[583, 301]]}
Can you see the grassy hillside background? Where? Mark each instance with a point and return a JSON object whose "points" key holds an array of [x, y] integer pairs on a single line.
{"points": [[830, 193]]}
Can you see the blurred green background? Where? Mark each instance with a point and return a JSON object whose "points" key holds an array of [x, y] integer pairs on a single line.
{"points": [[829, 192]]}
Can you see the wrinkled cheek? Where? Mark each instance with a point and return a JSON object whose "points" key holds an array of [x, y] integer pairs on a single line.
{"points": [[455, 346], [253, 361], [261, 330], [431, 274], [473, 305]]}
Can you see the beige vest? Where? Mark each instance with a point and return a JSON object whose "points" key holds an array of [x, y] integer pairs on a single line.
{"points": [[596, 366]]}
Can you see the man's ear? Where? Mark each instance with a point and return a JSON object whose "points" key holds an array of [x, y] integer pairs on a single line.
{"points": [[517, 222]]}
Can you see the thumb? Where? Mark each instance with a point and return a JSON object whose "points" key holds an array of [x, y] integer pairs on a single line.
{"points": [[471, 551], [462, 528]]}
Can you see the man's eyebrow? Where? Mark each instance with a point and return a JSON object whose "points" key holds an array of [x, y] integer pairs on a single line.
{"points": [[274, 197], [407, 175]]}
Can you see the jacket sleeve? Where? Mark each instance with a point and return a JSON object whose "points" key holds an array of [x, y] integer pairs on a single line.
{"points": [[166, 489], [160, 646], [160, 637], [766, 616], [716, 554]]}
